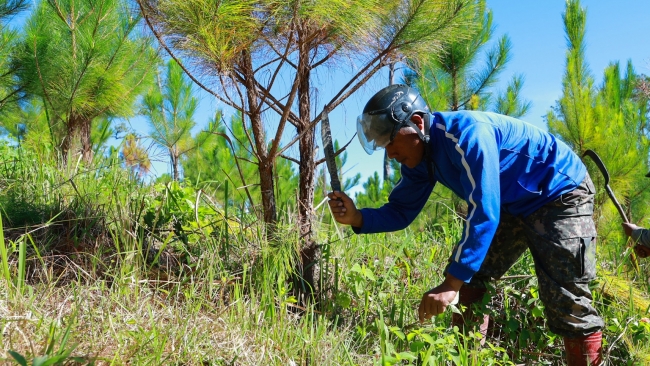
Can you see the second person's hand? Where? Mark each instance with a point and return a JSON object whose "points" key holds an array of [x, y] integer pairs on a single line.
{"points": [[629, 228]]}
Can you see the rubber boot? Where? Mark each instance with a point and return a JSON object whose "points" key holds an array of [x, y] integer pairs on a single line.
{"points": [[466, 297], [584, 351]]}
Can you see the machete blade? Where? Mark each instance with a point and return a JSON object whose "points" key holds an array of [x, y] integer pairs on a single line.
{"points": [[328, 147], [601, 166]]}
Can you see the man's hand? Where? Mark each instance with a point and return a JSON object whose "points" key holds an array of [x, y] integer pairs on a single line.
{"points": [[435, 301], [629, 227], [344, 210]]}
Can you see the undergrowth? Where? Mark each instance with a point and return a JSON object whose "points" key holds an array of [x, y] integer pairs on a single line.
{"points": [[97, 267]]}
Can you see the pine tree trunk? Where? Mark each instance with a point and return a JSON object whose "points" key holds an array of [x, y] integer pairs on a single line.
{"points": [[173, 155], [265, 166], [387, 171], [72, 128], [307, 171], [267, 185], [86, 142], [79, 128]]}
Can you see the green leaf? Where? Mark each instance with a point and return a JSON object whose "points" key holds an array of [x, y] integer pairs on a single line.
{"points": [[367, 273], [388, 360], [416, 346], [512, 325], [56, 359], [398, 333], [612, 328], [455, 356], [343, 300], [406, 356], [40, 360], [18, 357], [523, 338], [427, 338]]}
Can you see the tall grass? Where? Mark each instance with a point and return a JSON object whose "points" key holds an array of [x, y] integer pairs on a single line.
{"points": [[100, 268], [4, 255]]}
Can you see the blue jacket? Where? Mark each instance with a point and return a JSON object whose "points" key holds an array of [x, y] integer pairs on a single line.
{"points": [[495, 163]]}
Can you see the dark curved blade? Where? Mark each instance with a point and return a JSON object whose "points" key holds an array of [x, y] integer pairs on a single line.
{"points": [[328, 147], [599, 163], [601, 166]]}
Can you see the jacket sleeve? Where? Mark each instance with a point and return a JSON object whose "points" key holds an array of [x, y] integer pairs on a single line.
{"points": [[475, 153], [641, 236], [404, 203]]}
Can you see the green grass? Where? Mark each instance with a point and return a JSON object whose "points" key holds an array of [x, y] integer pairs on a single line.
{"points": [[102, 269]]}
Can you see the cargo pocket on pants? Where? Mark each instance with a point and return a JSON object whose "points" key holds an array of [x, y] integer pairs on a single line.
{"points": [[588, 254]]}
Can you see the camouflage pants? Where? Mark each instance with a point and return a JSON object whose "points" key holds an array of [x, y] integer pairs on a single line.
{"points": [[561, 237]]}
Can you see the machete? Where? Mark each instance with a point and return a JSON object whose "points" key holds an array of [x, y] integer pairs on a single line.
{"points": [[638, 249], [601, 166], [330, 158]]}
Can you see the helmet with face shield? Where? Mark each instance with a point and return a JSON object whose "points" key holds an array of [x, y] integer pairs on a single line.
{"points": [[386, 112]]}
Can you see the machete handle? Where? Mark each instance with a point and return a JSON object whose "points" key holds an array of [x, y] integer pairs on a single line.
{"points": [[619, 208], [338, 199]]}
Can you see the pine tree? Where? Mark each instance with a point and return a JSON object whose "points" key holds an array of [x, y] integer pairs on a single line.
{"points": [[9, 92], [135, 156], [251, 42], [226, 156], [510, 103], [169, 108], [609, 119], [461, 75], [83, 60]]}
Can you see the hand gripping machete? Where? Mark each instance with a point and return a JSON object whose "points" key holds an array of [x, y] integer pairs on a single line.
{"points": [[330, 158], [640, 250]]}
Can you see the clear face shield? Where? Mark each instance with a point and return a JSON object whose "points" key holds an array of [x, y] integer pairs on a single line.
{"points": [[375, 131]]}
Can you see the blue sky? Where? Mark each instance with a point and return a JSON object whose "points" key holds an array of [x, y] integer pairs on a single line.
{"points": [[616, 31]]}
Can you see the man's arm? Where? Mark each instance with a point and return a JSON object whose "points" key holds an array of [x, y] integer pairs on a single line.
{"points": [[404, 204], [476, 154]]}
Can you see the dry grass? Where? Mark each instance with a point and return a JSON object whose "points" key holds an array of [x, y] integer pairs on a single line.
{"points": [[135, 322]]}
